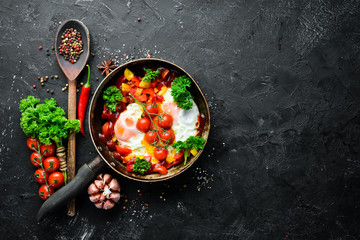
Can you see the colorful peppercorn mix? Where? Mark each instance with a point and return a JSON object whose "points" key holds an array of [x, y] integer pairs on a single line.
{"points": [[71, 45]]}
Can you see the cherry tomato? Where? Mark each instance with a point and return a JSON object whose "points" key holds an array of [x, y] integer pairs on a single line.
{"points": [[32, 143], [143, 124], [160, 169], [108, 130], [44, 192], [129, 166], [56, 180], [123, 150], [167, 136], [161, 154], [50, 149], [39, 175], [178, 155], [152, 109], [160, 98], [35, 160], [166, 121], [151, 137], [51, 164]]}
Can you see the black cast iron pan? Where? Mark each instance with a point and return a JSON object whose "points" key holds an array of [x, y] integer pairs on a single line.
{"points": [[88, 171]]}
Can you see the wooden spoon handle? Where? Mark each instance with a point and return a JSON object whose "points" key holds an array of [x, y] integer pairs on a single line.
{"points": [[71, 143]]}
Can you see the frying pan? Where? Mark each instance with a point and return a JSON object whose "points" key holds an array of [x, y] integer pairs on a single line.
{"points": [[88, 171]]}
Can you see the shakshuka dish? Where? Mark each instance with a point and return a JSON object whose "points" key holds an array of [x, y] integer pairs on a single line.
{"points": [[151, 120]]}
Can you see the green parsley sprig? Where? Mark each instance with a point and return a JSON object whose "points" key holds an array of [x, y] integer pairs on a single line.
{"points": [[190, 143], [112, 95], [182, 97], [141, 165], [150, 75]]}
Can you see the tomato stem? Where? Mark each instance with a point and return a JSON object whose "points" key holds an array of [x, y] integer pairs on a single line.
{"points": [[42, 166], [152, 122]]}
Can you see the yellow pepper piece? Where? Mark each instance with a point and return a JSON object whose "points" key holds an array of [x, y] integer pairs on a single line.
{"points": [[156, 90], [114, 138], [193, 151], [128, 74], [163, 90], [138, 91], [125, 87], [143, 84]]}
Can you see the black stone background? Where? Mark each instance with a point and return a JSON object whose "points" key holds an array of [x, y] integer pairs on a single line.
{"points": [[282, 82]]}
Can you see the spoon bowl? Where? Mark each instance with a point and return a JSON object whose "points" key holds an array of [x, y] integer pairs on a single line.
{"points": [[72, 70]]}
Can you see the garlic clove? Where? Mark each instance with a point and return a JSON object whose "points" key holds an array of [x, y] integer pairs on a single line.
{"points": [[114, 185], [107, 178], [99, 184], [115, 196], [95, 197], [102, 197], [99, 204], [100, 176], [93, 189], [108, 204]]}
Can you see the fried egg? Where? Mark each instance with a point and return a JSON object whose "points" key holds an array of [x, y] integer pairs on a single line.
{"points": [[126, 131], [184, 124]]}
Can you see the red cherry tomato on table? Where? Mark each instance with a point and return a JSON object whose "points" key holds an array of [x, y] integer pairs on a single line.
{"points": [[44, 192], [152, 109], [151, 137], [56, 180], [51, 164], [165, 121], [167, 136], [50, 149], [35, 160], [178, 155], [32, 143], [160, 169], [123, 150], [143, 124], [39, 175], [161, 154]]}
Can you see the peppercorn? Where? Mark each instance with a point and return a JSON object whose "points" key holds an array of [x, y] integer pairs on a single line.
{"points": [[47, 49], [56, 76], [139, 19], [34, 86], [40, 47], [52, 48], [46, 77], [52, 91], [97, 79], [42, 84], [52, 77], [77, 90], [81, 83], [39, 78], [48, 90]]}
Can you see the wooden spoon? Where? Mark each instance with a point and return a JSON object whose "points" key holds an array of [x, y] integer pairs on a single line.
{"points": [[72, 71]]}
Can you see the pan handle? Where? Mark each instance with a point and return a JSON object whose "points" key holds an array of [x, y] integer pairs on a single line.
{"points": [[82, 179]]}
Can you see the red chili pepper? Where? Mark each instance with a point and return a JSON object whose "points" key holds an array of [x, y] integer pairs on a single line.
{"points": [[83, 100]]}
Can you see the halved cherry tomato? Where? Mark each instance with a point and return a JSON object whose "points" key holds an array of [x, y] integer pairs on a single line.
{"points": [[142, 98], [51, 164], [108, 130], [152, 109], [50, 149], [123, 150], [178, 155], [143, 124], [151, 137], [167, 136], [166, 121], [32, 143], [105, 113], [160, 169], [161, 154], [39, 175], [56, 180], [149, 91], [35, 160], [44, 192]]}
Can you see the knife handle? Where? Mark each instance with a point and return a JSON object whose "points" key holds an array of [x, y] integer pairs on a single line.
{"points": [[82, 179]]}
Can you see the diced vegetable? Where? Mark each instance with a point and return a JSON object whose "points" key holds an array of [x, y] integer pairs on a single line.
{"points": [[162, 91], [125, 87], [144, 84], [128, 74]]}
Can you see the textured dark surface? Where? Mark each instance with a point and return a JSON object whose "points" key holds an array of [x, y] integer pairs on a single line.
{"points": [[282, 82]]}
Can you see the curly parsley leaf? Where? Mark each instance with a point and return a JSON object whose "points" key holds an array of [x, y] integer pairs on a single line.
{"points": [[150, 75], [182, 97], [112, 95], [46, 121], [141, 165], [190, 143]]}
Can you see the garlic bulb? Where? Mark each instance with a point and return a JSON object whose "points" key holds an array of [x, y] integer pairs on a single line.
{"points": [[104, 191]]}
